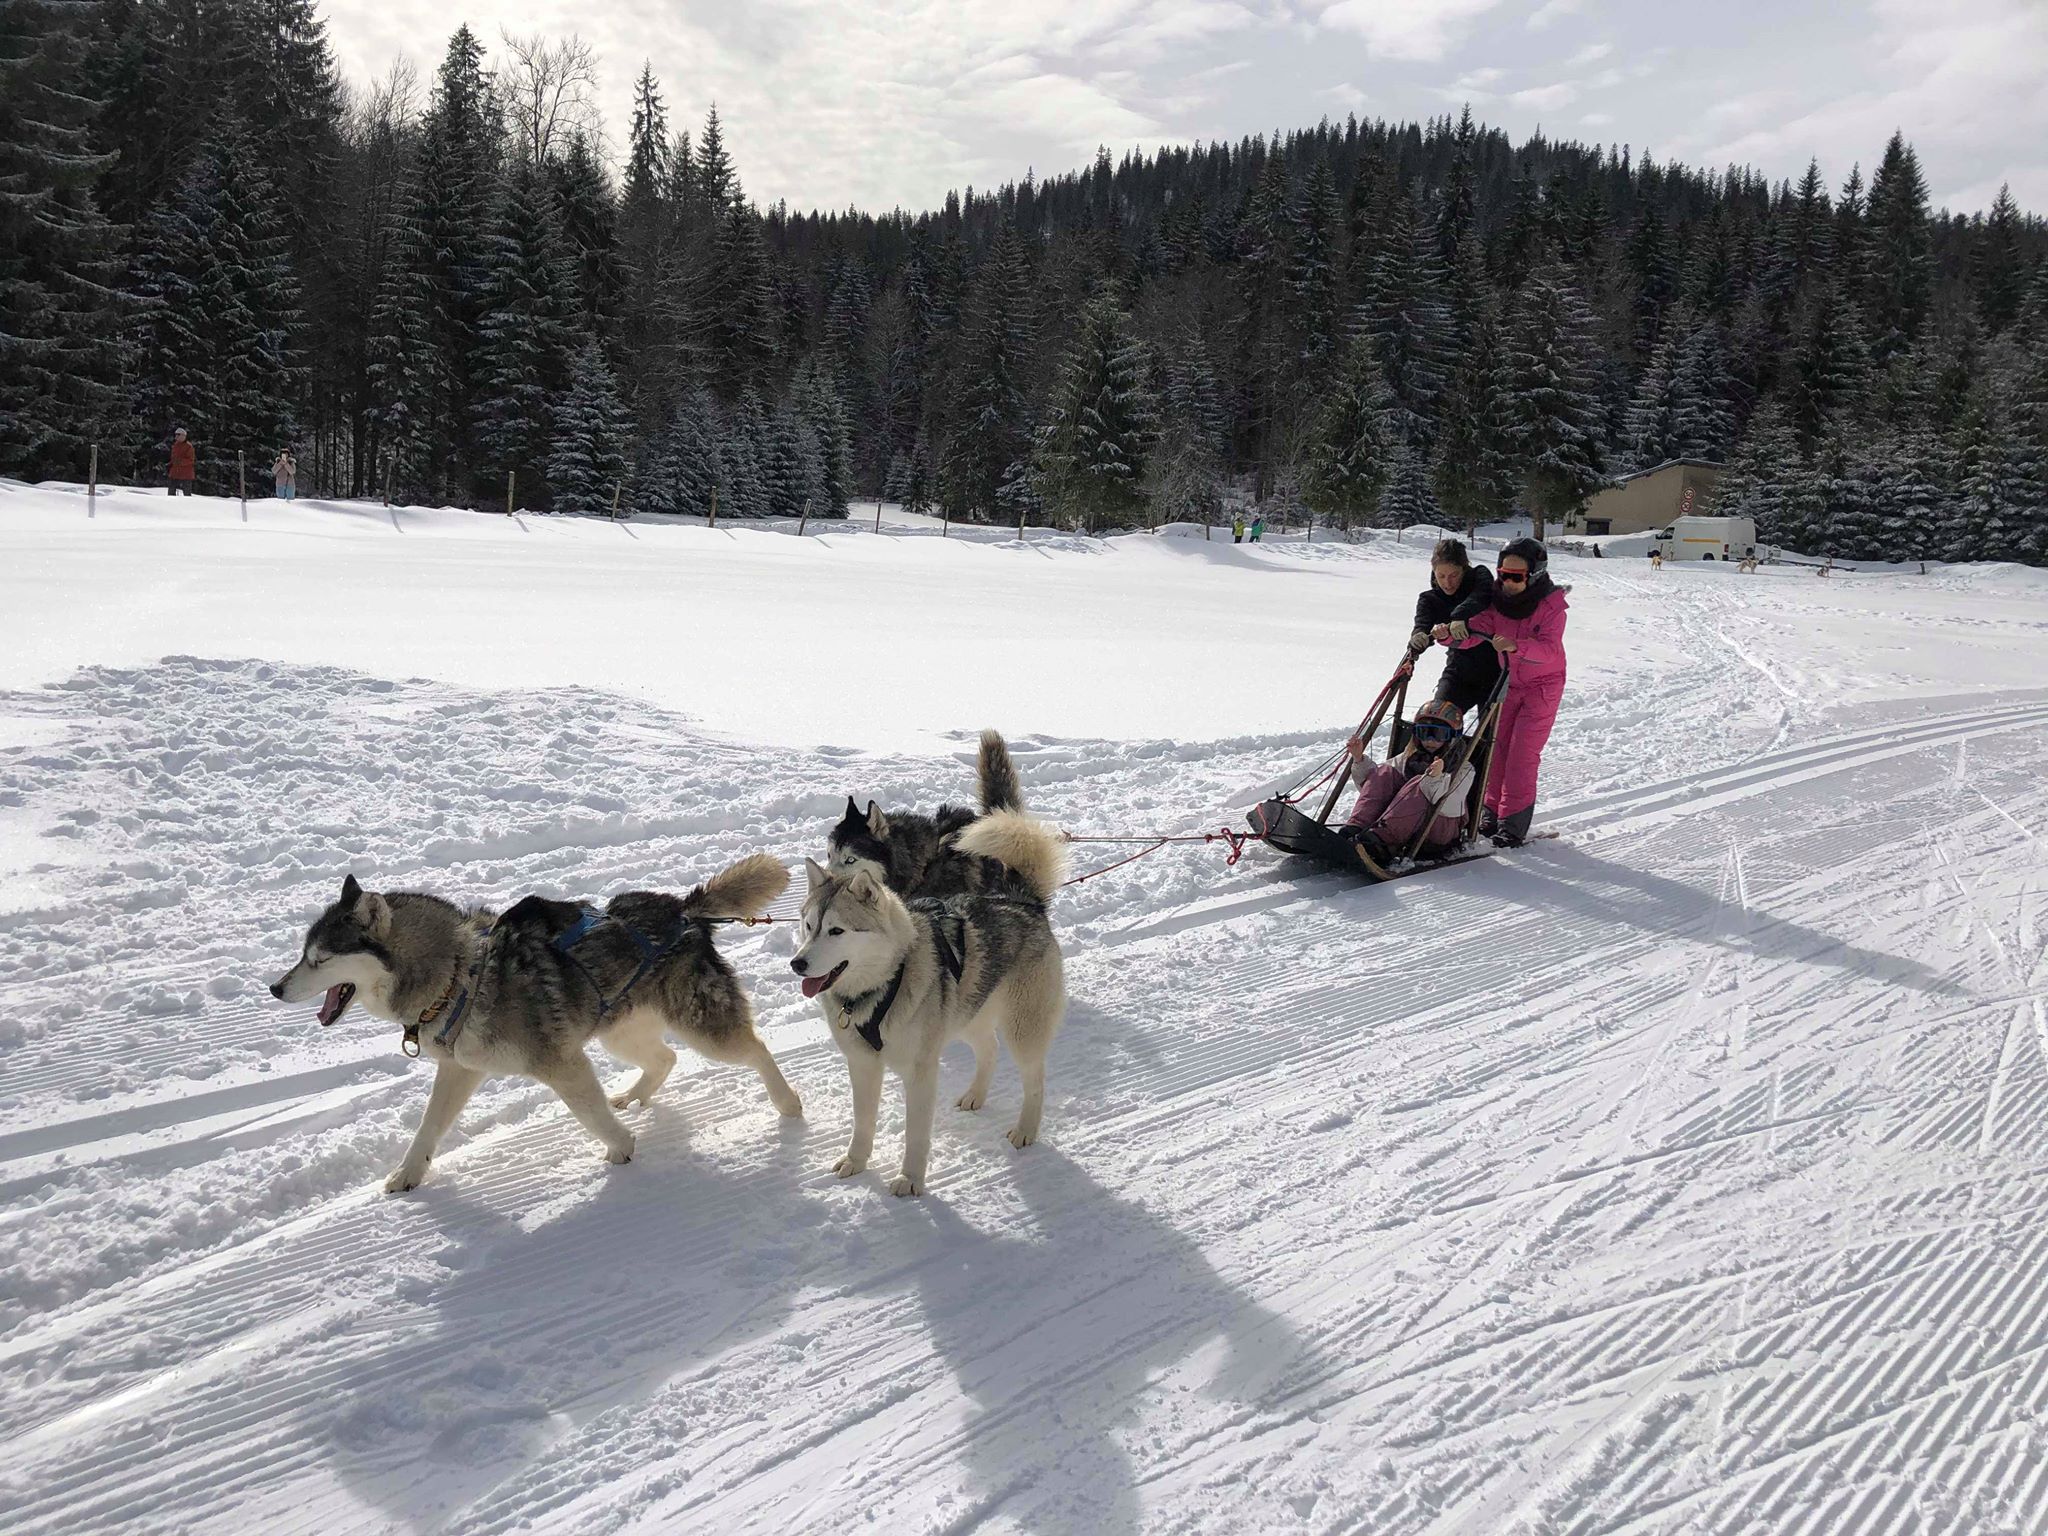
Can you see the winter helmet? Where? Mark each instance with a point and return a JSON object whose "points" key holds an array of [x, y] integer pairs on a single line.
{"points": [[1441, 712], [1530, 552]]}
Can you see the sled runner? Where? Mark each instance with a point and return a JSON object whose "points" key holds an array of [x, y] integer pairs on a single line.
{"points": [[1284, 824]]}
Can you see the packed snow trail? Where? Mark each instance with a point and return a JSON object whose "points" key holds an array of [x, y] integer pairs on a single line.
{"points": [[1676, 1175]]}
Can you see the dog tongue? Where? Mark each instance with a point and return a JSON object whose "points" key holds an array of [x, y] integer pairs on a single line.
{"points": [[813, 985], [332, 1004]]}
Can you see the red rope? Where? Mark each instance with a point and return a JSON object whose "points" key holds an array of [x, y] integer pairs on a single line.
{"points": [[1234, 838]]}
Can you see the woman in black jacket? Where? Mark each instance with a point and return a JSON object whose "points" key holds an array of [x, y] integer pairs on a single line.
{"points": [[1458, 589]]}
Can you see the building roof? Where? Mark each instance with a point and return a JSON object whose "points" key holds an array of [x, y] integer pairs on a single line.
{"points": [[1658, 469]]}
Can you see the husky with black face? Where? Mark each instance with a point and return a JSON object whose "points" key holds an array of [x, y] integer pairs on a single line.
{"points": [[897, 979], [524, 993], [919, 854]]}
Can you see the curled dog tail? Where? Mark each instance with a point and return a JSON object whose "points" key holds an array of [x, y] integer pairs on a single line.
{"points": [[1021, 843], [739, 890], [999, 788]]}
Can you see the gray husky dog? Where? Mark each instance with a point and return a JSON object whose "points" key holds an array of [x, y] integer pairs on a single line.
{"points": [[920, 855], [898, 979], [522, 993]]}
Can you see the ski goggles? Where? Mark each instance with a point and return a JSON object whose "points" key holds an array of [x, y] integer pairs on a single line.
{"points": [[1434, 735]]}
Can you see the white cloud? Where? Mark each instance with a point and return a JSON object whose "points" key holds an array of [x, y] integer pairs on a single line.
{"points": [[1592, 53], [1544, 98], [1554, 10], [1415, 31], [1597, 119]]}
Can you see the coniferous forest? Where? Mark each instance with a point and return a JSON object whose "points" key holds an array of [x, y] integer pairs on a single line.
{"points": [[452, 289]]}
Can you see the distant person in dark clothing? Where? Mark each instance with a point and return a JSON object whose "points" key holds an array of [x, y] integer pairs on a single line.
{"points": [[1458, 591], [184, 464]]}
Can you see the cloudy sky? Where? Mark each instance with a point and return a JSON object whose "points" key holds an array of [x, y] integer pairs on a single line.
{"points": [[882, 103]]}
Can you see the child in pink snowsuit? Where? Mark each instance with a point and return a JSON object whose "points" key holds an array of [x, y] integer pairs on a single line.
{"points": [[1526, 625], [1397, 796]]}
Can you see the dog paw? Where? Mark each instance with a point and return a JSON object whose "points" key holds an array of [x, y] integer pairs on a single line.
{"points": [[904, 1184], [1021, 1138], [403, 1180], [627, 1099], [792, 1106], [847, 1167], [619, 1154], [972, 1100]]}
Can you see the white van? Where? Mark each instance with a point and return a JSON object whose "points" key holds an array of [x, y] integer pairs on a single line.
{"points": [[1707, 538]]}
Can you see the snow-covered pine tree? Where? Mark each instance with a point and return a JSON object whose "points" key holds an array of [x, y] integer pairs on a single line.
{"points": [[1758, 476], [735, 300], [743, 449], [1101, 424], [588, 459], [717, 184], [918, 493], [590, 232], [211, 348], [991, 425], [528, 329], [2001, 269], [782, 467], [823, 415], [1315, 248], [688, 459], [1901, 251], [1556, 412], [1831, 368], [896, 478], [1410, 324], [60, 360], [1185, 470], [1352, 444]]}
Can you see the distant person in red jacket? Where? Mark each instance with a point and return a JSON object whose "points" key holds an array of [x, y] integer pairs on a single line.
{"points": [[184, 464]]}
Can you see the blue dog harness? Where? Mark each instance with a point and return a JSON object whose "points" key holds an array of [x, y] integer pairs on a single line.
{"points": [[452, 1005]]}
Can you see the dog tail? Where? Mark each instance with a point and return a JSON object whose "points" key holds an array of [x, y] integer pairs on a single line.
{"points": [[739, 890], [1021, 843], [999, 788]]}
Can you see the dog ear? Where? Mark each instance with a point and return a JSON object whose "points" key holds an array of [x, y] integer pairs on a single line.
{"points": [[852, 809], [862, 886], [815, 875], [877, 822], [373, 912], [350, 891]]}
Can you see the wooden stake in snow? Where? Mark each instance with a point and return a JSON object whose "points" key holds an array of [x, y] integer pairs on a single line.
{"points": [[511, 491], [805, 521], [242, 481], [1020, 522], [714, 508], [618, 489], [878, 514], [390, 472], [92, 484]]}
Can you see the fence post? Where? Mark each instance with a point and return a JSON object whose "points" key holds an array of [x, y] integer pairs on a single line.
{"points": [[92, 484], [618, 488], [511, 491], [714, 506], [242, 480], [878, 514], [805, 521], [1023, 512], [946, 527]]}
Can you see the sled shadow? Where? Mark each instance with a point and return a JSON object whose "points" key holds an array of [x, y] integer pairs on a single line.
{"points": [[1061, 1321], [1564, 879]]}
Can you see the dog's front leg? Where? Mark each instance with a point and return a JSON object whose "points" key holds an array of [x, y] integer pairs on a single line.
{"points": [[453, 1084], [865, 1070], [920, 1101]]}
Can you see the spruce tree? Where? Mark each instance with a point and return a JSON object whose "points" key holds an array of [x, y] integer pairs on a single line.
{"points": [[1314, 250], [212, 344], [1556, 413], [527, 329], [1352, 445], [590, 234], [1901, 251], [1101, 423], [60, 361], [1830, 369], [587, 462], [991, 430], [734, 299], [2000, 267], [1758, 474], [681, 463]]}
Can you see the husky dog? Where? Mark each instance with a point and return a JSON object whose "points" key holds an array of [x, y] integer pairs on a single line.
{"points": [[896, 980], [523, 992], [920, 855]]}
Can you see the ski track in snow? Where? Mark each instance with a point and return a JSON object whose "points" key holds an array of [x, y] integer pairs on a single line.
{"points": [[1677, 1175]]}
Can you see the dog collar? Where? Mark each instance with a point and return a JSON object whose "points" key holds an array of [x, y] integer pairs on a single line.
{"points": [[871, 1030], [453, 1002]]}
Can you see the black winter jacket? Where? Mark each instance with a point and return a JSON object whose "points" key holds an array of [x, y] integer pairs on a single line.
{"points": [[1468, 674]]}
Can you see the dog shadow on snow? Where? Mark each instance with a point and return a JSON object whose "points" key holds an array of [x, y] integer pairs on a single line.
{"points": [[1078, 1325], [552, 1342]]}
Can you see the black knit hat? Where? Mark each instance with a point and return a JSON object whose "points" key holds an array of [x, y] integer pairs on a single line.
{"points": [[1530, 552]]}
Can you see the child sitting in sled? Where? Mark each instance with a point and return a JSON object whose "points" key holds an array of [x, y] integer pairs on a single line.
{"points": [[1413, 786]]}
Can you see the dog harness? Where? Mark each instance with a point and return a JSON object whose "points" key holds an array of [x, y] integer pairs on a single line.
{"points": [[949, 943], [651, 953], [453, 1003]]}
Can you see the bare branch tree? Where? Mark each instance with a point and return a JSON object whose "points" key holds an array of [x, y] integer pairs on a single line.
{"points": [[549, 89]]}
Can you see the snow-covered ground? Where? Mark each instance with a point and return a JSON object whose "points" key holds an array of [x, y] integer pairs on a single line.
{"points": [[1681, 1174]]}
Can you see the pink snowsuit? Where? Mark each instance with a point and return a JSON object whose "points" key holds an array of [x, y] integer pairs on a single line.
{"points": [[1535, 688], [1393, 803]]}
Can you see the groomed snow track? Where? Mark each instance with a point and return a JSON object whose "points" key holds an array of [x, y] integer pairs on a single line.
{"points": [[1678, 1175]]}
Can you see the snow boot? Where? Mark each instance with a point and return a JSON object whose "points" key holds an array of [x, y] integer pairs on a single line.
{"points": [[1376, 848], [1513, 831], [1488, 822]]}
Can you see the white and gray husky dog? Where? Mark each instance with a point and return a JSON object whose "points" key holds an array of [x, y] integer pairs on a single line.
{"points": [[919, 854], [523, 993], [897, 979]]}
